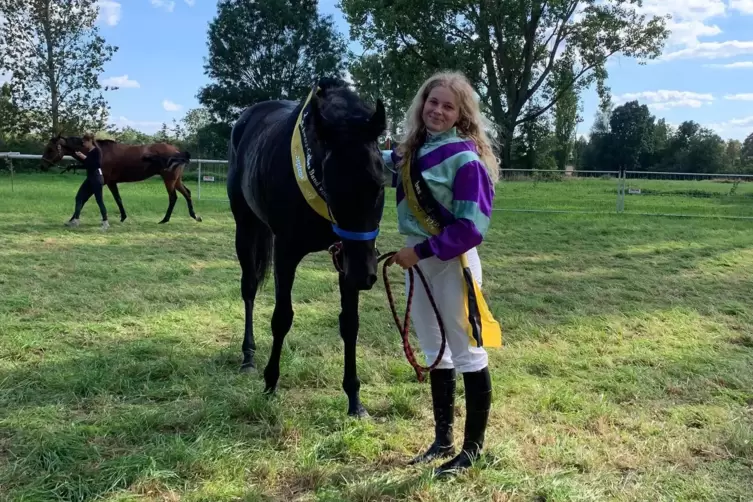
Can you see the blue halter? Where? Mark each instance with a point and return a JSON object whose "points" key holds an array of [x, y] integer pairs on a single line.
{"points": [[347, 234], [355, 236]]}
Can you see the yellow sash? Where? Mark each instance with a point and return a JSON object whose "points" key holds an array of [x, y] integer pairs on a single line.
{"points": [[483, 330], [301, 154]]}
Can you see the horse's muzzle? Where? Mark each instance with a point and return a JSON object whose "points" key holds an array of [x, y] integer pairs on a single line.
{"points": [[360, 265], [367, 283]]}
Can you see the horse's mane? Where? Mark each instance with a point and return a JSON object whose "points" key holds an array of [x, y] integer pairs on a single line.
{"points": [[340, 107], [79, 139], [345, 114]]}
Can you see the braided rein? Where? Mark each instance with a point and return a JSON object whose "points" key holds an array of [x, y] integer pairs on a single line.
{"points": [[403, 327]]}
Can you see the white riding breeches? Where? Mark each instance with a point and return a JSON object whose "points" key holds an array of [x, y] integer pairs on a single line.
{"points": [[445, 279]]}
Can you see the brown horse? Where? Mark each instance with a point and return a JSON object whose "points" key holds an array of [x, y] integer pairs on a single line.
{"points": [[123, 163]]}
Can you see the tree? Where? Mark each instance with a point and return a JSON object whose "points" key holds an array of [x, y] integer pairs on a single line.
{"points": [[678, 147], [661, 137], [9, 113], [132, 136], [566, 115], [579, 149], [695, 149], [509, 48], [632, 128], [205, 135], [267, 49], [536, 145], [706, 153], [746, 155], [598, 155], [733, 156], [55, 55], [395, 88]]}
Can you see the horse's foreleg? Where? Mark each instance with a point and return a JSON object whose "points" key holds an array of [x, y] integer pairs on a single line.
{"points": [[116, 195], [349, 334], [170, 186], [183, 189], [286, 260]]}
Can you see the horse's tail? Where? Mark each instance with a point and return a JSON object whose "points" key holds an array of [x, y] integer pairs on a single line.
{"points": [[169, 162], [260, 249]]}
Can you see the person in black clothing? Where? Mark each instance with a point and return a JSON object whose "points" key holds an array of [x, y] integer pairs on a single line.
{"points": [[93, 183]]}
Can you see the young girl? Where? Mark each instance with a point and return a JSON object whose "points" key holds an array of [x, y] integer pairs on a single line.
{"points": [[448, 152], [92, 185]]}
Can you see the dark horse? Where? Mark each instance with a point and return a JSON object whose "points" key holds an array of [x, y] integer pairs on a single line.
{"points": [[123, 163], [275, 222]]}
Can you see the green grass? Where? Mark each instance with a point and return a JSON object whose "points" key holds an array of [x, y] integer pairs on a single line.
{"points": [[703, 197], [627, 373]]}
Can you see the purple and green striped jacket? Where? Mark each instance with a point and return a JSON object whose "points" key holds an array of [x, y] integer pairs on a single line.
{"points": [[458, 180]]}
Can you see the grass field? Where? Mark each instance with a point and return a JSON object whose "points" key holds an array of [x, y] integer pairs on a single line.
{"points": [[627, 373]]}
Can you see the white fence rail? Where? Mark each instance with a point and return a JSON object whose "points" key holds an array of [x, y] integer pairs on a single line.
{"points": [[723, 195], [210, 174]]}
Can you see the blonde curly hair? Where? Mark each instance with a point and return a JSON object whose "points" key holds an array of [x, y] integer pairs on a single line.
{"points": [[471, 123]]}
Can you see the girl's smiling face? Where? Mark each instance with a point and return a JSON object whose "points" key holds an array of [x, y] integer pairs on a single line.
{"points": [[441, 110]]}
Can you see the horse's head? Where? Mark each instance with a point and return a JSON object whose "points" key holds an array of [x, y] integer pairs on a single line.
{"points": [[58, 147], [346, 130]]}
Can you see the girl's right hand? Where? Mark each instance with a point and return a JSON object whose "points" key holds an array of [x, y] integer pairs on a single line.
{"points": [[406, 258]]}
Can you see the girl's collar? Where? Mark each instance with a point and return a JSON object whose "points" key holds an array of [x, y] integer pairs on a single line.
{"points": [[434, 138]]}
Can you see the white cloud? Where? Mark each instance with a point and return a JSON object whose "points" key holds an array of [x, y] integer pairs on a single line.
{"points": [[744, 6], [739, 97], [712, 50], [109, 12], [664, 99], [688, 33], [168, 5], [735, 128], [190, 3], [170, 106], [686, 10], [732, 66], [122, 81], [689, 18], [147, 126], [4, 77]]}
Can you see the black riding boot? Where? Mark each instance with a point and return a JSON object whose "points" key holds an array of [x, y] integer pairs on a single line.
{"points": [[443, 401], [478, 399]]}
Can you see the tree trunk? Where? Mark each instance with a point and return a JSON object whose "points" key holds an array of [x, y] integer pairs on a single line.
{"points": [[54, 94], [491, 71], [507, 132]]}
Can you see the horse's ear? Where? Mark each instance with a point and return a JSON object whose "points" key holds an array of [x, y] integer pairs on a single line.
{"points": [[378, 121], [316, 117]]}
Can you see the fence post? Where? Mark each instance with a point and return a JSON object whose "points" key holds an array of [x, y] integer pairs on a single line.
{"points": [[199, 180], [621, 191]]}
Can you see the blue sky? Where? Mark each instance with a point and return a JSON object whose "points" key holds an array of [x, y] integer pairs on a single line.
{"points": [[705, 73]]}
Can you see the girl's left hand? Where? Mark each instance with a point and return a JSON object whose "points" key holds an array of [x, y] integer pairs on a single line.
{"points": [[406, 258]]}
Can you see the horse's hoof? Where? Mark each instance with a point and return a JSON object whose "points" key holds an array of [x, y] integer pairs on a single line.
{"points": [[163, 221], [359, 413], [198, 218], [270, 391], [248, 369]]}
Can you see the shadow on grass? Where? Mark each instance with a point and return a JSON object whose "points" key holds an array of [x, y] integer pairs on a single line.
{"points": [[116, 417]]}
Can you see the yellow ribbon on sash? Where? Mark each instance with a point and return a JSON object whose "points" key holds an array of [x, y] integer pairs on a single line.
{"points": [[301, 154], [483, 330]]}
